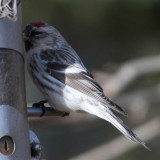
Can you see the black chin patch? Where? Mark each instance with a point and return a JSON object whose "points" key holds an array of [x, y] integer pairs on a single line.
{"points": [[28, 45]]}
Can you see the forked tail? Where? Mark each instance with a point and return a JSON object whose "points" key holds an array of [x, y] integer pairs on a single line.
{"points": [[107, 114]]}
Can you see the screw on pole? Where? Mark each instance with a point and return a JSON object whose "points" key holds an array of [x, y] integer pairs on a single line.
{"points": [[6, 145], [36, 149]]}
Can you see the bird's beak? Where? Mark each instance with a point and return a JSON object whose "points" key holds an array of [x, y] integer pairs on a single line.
{"points": [[25, 37]]}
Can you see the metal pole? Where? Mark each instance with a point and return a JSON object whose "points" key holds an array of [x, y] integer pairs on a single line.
{"points": [[14, 131], [49, 111]]}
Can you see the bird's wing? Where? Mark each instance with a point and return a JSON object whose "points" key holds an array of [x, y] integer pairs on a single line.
{"points": [[84, 82], [77, 77]]}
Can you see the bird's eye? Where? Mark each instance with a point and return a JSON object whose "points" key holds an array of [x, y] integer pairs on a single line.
{"points": [[34, 33], [37, 33]]}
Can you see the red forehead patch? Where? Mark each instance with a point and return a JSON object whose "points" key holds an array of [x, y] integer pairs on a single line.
{"points": [[37, 24]]}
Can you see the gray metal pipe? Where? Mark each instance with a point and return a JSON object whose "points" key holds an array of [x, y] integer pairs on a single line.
{"points": [[37, 112], [14, 131]]}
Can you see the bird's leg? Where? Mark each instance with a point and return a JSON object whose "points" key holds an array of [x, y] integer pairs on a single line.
{"points": [[41, 105]]}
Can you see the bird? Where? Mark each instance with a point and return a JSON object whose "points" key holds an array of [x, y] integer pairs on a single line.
{"points": [[60, 75]]}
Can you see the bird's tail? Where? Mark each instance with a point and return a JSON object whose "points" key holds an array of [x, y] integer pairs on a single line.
{"points": [[107, 114]]}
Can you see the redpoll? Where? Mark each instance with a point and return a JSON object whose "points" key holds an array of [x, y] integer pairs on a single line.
{"points": [[60, 75]]}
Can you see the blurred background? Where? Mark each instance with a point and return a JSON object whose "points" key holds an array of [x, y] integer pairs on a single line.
{"points": [[119, 42]]}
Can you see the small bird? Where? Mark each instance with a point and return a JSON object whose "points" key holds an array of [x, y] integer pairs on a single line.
{"points": [[60, 75]]}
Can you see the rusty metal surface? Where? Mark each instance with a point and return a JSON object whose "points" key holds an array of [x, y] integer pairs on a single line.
{"points": [[13, 115], [14, 130], [12, 90]]}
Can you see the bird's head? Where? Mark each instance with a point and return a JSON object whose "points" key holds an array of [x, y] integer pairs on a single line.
{"points": [[40, 35]]}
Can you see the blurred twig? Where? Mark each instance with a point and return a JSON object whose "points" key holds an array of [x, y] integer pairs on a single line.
{"points": [[150, 95], [138, 103], [127, 73], [120, 145]]}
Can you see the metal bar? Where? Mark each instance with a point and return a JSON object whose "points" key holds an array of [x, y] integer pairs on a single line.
{"points": [[10, 33], [14, 131], [37, 112]]}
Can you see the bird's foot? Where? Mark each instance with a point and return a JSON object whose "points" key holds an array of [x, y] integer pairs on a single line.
{"points": [[42, 106]]}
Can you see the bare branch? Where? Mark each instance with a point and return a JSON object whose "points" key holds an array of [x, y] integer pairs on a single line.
{"points": [[120, 145], [128, 72]]}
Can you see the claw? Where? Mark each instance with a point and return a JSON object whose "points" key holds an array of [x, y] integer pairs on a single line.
{"points": [[65, 114], [42, 106]]}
